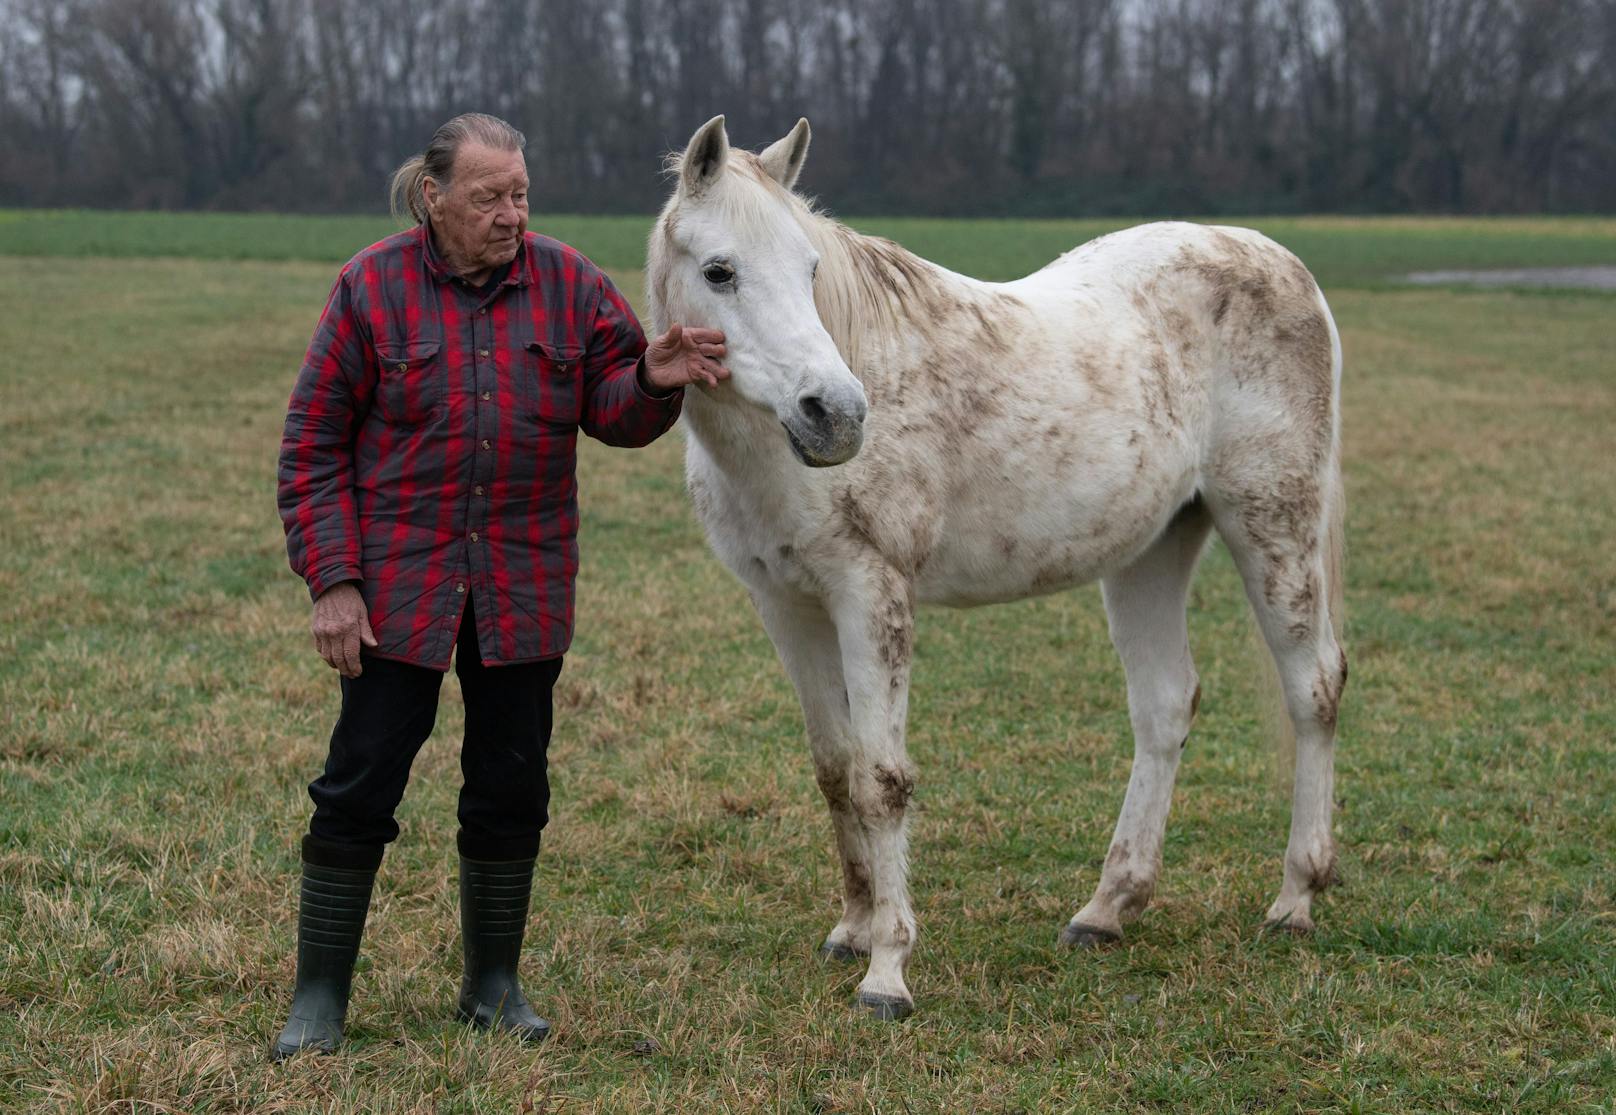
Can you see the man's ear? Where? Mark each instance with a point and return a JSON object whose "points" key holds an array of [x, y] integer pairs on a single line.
{"points": [[431, 195]]}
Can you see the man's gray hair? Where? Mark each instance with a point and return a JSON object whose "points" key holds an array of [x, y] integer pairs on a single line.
{"points": [[437, 161]]}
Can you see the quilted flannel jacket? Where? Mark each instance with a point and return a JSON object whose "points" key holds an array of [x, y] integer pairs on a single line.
{"points": [[431, 442]]}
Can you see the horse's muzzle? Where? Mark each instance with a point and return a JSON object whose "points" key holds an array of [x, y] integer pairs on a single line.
{"points": [[827, 430]]}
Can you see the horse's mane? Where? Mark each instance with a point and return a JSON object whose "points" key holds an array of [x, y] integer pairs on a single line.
{"points": [[870, 289]]}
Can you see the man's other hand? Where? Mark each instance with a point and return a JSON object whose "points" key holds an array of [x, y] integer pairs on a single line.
{"points": [[340, 625], [684, 356]]}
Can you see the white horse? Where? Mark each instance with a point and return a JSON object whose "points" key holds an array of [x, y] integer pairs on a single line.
{"points": [[1094, 420]]}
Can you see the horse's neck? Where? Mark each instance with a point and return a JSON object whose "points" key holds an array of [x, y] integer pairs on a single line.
{"points": [[876, 299]]}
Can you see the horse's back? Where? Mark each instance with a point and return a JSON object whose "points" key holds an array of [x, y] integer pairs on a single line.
{"points": [[1239, 317]]}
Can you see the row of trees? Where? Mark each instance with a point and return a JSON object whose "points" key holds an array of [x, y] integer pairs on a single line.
{"points": [[945, 106]]}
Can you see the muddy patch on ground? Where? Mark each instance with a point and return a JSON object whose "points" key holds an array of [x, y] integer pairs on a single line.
{"points": [[1582, 278]]}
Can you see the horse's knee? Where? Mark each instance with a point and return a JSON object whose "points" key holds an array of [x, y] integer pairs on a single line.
{"points": [[1162, 717], [882, 790]]}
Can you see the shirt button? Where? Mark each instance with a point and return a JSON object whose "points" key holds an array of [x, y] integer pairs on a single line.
{"points": [[482, 352], [461, 587], [487, 395], [403, 367], [478, 489], [484, 310], [486, 444]]}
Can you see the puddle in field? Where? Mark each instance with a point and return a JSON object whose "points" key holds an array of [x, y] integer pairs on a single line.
{"points": [[1587, 278]]}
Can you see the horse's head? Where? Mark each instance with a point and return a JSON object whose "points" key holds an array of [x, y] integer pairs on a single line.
{"points": [[730, 251]]}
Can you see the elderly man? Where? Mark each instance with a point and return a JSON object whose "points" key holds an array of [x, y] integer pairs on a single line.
{"points": [[428, 493]]}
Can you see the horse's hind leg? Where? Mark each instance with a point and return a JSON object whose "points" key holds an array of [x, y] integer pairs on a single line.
{"points": [[1145, 606], [1285, 539], [805, 639]]}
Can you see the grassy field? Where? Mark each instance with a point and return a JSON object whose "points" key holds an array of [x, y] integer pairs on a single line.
{"points": [[1343, 251], [161, 711]]}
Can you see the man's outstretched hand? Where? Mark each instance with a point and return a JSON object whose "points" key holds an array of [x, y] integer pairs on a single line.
{"points": [[340, 625], [684, 356]]}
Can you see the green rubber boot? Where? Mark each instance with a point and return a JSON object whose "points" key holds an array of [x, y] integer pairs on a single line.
{"points": [[493, 918], [330, 921]]}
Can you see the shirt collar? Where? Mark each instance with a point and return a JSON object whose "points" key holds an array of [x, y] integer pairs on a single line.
{"points": [[439, 270]]}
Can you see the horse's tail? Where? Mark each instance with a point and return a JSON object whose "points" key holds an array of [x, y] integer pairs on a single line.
{"points": [[1335, 531], [1335, 551]]}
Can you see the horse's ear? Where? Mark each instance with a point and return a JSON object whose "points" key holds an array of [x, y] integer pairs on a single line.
{"points": [[704, 156], [784, 157]]}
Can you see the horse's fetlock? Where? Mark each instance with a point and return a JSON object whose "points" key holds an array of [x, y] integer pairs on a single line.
{"points": [[1126, 883], [1317, 869]]}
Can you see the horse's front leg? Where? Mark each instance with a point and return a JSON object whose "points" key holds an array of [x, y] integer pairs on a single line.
{"points": [[873, 612], [806, 642]]}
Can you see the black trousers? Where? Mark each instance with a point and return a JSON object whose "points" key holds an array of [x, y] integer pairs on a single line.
{"points": [[387, 714]]}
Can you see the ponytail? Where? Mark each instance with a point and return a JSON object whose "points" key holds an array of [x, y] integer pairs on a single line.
{"points": [[406, 196]]}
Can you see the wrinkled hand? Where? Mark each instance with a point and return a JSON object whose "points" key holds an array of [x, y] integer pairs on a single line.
{"points": [[340, 624], [683, 356]]}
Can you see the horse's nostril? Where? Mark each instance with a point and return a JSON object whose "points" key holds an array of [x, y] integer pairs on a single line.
{"points": [[812, 409]]}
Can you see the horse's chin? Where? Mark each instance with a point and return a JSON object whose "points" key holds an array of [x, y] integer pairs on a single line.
{"points": [[817, 460]]}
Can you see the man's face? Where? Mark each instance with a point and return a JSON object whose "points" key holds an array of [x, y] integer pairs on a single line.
{"points": [[479, 220]]}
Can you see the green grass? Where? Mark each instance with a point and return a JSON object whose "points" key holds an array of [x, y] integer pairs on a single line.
{"points": [[1342, 251], [161, 711]]}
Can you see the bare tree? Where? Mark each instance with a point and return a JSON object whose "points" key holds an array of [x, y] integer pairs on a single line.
{"points": [[1016, 106]]}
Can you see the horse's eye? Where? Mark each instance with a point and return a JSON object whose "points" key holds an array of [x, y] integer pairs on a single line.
{"points": [[718, 273]]}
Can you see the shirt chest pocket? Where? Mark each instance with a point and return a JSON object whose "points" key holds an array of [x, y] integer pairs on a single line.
{"points": [[549, 383], [410, 388]]}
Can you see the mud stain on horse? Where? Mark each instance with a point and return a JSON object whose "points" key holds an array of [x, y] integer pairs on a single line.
{"points": [[1327, 690], [894, 636], [853, 522], [1322, 874], [1128, 888], [855, 883], [897, 787], [1276, 329], [832, 781]]}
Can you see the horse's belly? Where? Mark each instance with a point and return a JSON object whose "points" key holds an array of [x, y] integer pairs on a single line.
{"points": [[1007, 545]]}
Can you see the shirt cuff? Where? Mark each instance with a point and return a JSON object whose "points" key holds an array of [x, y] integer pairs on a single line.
{"points": [[643, 388], [322, 579]]}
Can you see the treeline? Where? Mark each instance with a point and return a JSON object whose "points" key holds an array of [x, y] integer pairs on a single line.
{"points": [[937, 106]]}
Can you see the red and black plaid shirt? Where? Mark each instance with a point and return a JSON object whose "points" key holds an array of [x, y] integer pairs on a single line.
{"points": [[431, 442]]}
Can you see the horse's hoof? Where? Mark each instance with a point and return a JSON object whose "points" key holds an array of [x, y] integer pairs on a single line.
{"points": [[836, 950], [1288, 927], [886, 1008], [1079, 936]]}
